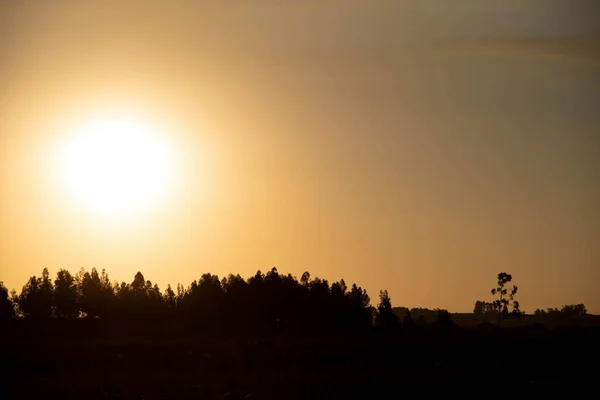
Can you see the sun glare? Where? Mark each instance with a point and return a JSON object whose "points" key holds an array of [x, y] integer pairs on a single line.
{"points": [[117, 165]]}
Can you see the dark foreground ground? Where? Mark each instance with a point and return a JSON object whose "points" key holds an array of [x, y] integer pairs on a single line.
{"points": [[331, 367]]}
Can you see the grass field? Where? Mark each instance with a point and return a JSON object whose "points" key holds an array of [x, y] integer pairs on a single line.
{"points": [[332, 367]]}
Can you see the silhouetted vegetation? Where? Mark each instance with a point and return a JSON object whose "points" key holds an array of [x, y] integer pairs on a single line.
{"points": [[483, 307], [269, 336], [263, 303], [66, 300], [505, 298], [443, 317], [566, 310], [37, 297], [7, 311], [270, 303], [385, 318]]}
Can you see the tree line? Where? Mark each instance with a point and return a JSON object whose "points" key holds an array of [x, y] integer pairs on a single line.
{"points": [[575, 310], [270, 302], [506, 298], [486, 308]]}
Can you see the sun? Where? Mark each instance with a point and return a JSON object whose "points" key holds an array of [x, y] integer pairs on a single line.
{"points": [[117, 165]]}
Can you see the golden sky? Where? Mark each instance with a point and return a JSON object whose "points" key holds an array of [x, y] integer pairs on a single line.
{"points": [[416, 146]]}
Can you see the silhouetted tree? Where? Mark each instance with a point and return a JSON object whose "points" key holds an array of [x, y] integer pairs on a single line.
{"points": [[256, 300], [276, 300], [319, 304], [385, 319], [65, 295], [36, 298], [516, 311], [505, 298], [236, 302], [478, 310], [305, 279], [170, 298], [236, 294], [7, 310], [141, 300], [202, 302], [574, 309], [405, 316], [401, 312], [155, 298], [423, 314], [483, 307], [96, 291], [338, 304], [360, 314], [566, 310], [443, 317]]}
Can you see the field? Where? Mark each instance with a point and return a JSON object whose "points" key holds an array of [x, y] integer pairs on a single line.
{"points": [[144, 366]]}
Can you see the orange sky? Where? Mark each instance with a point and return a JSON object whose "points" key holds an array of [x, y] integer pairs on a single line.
{"points": [[405, 145]]}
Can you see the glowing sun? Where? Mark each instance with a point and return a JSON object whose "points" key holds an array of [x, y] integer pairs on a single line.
{"points": [[117, 165]]}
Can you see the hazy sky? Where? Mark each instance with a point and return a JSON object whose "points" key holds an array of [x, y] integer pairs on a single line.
{"points": [[416, 146]]}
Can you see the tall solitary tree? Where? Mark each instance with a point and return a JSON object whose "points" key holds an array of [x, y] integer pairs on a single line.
{"points": [[505, 297]]}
